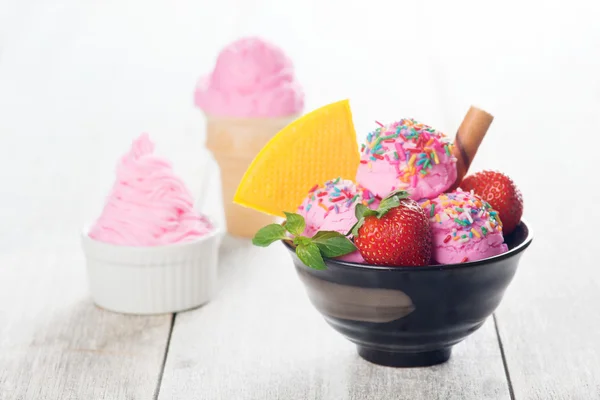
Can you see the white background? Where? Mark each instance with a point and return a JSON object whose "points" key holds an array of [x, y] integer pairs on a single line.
{"points": [[74, 73]]}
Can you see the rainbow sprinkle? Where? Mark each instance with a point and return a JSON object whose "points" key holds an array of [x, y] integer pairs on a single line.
{"points": [[335, 196], [471, 217], [412, 147]]}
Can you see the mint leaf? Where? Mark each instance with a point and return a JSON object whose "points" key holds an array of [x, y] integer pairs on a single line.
{"points": [[323, 236], [294, 223], [310, 255], [269, 234], [333, 244], [302, 240]]}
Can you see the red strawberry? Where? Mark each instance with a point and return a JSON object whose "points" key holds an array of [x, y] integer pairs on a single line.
{"points": [[396, 234], [502, 194]]}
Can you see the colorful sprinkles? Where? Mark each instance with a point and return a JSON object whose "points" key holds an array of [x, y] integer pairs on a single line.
{"points": [[412, 147], [474, 218], [335, 196]]}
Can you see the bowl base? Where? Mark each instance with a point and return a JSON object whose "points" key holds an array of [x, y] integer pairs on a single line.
{"points": [[404, 360]]}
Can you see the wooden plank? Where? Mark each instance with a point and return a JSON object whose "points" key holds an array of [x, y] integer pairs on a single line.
{"points": [[549, 321], [261, 339], [55, 344], [57, 167]]}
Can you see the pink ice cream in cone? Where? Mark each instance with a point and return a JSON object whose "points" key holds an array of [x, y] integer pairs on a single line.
{"points": [[251, 94]]}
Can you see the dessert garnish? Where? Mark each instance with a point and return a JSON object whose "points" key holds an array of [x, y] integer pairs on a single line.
{"points": [[317, 147], [501, 192], [310, 250], [397, 233], [399, 212], [469, 136]]}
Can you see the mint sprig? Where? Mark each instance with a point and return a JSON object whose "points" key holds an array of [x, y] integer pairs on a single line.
{"points": [[269, 234], [310, 255], [294, 223], [389, 202], [310, 250], [333, 244]]}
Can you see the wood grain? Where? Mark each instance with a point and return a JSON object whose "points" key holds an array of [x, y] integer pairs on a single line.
{"points": [[549, 321], [55, 174], [55, 344], [262, 339]]}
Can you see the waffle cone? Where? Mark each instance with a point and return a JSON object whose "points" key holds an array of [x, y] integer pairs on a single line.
{"points": [[234, 142]]}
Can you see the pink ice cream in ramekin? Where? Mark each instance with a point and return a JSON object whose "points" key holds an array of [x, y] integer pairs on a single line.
{"points": [[251, 79], [331, 208], [465, 228], [407, 155], [148, 205], [150, 252]]}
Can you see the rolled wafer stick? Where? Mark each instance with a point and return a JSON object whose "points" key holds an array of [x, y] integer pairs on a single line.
{"points": [[469, 136]]}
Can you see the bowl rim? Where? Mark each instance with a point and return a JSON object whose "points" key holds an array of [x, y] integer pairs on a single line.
{"points": [[441, 267]]}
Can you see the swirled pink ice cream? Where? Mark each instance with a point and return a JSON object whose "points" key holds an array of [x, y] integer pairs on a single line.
{"points": [[465, 228], [251, 79], [407, 155], [148, 205]]}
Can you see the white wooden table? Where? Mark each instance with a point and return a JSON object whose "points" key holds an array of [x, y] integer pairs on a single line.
{"points": [[79, 80]]}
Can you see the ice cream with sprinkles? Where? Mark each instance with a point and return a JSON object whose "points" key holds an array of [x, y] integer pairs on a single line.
{"points": [[407, 155], [465, 228], [330, 207]]}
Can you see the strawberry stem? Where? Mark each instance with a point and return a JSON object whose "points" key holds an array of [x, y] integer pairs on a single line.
{"points": [[389, 202]]}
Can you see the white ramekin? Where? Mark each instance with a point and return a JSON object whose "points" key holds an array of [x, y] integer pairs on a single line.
{"points": [[152, 280]]}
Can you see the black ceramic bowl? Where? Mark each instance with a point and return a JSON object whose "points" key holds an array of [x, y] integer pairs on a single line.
{"points": [[411, 316]]}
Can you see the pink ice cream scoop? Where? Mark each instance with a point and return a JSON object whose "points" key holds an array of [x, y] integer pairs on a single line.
{"points": [[251, 79], [331, 208], [465, 228], [407, 155], [148, 204]]}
